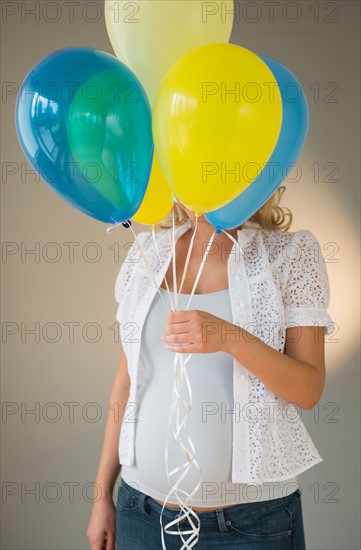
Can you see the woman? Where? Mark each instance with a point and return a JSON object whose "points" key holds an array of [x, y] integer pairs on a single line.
{"points": [[255, 330]]}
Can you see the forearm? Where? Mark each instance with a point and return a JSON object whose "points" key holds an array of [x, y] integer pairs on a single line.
{"points": [[109, 467], [293, 380]]}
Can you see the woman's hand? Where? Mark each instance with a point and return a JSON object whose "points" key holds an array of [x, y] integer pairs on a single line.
{"points": [[196, 331], [101, 528]]}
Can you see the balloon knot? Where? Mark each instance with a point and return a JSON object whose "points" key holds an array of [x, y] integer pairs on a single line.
{"points": [[219, 230], [127, 224]]}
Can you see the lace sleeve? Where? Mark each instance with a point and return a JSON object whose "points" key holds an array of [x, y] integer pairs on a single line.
{"points": [[307, 293]]}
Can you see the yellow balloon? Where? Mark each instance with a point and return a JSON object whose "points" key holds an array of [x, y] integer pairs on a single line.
{"points": [[151, 35], [157, 201], [216, 121]]}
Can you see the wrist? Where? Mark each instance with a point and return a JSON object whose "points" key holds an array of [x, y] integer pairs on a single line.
{"points": [[102, 491], [103, 499], [230, 338]]}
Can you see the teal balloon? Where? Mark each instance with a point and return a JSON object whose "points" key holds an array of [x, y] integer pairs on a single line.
{"points": [[83, 121], [293, 133]]}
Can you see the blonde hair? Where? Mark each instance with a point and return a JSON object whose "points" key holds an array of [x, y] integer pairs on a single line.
{"points": [[269, 216]]}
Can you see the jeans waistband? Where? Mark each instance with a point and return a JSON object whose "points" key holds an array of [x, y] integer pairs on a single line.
{"points": [[221, 515]]}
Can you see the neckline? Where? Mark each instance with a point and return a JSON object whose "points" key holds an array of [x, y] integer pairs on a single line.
{"points": [[205, 294]]}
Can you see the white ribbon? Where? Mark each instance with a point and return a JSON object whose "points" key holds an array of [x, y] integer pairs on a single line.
{"points": [[180, 373], [234, 240], [179, 376]]}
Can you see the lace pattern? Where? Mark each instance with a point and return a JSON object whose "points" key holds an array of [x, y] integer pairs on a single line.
{"points": [[280, 281]]}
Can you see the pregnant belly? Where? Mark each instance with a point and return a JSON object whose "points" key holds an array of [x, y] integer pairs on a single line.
{"points": [[211, 437]]}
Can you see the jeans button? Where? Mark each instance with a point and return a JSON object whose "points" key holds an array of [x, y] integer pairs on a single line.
{"points": [[228, 522]]}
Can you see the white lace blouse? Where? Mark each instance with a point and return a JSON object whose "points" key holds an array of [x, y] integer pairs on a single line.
{"points": [[279, 281]]}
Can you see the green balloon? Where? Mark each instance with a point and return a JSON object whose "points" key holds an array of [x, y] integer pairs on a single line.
{"points": [[110, 136]]}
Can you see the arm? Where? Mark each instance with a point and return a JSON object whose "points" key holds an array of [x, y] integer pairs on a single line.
{"points": [[101, 528], [109, 466], [297, 375]]}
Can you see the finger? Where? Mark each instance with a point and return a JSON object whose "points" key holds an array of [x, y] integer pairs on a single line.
{"points": [[182, 338], [177, 328], [110, 544], [179, 316], [181, 348], [98, 543]]}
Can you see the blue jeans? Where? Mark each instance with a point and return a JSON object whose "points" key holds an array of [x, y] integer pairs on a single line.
{"points": [[275, 524]]}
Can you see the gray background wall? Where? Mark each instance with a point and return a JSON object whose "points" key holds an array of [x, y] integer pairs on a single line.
{"points": [[50, 450]]}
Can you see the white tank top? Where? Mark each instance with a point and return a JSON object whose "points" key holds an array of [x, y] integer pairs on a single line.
{"points": [[209, 424]]}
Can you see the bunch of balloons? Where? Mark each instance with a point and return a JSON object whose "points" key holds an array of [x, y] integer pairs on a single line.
{"points": [[178, 114]]}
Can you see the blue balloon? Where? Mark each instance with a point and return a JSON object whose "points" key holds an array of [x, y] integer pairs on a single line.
{"points": [[293, 133], [42, 111]]}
